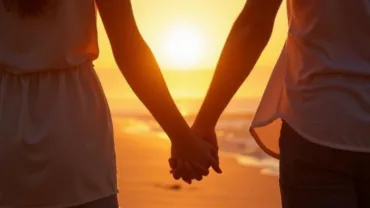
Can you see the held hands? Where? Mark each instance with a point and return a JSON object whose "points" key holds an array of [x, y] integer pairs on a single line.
{"points": [[192, 159]]}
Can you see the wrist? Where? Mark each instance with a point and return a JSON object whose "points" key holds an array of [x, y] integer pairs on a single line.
{"points": [[204, 124], [207, 118], [180, 136]]}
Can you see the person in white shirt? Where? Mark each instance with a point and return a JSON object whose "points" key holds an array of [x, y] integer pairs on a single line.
{"points": [[56, 136], [315, 113]]}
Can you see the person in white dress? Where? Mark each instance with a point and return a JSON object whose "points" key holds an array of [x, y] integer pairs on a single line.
{"points": [[315, 113], [56, 136]]}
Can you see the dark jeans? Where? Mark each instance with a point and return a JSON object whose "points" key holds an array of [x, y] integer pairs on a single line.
{"points": [[109, 202], [314, 176]]}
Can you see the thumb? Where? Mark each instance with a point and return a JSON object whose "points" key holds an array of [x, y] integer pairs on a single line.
{"points": [[173, 163], [216, 166]]}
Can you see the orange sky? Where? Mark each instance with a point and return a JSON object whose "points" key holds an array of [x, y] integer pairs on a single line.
{"points": [[203, 24]]}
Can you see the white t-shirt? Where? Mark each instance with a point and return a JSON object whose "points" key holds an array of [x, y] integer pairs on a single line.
{"points": [[65, 37], [321, 83]]}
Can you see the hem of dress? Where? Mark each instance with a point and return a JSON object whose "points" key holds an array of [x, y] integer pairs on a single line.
{"points": [[81, 202], [301, 133]]}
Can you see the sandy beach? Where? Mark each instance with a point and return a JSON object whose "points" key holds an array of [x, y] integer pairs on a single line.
{"points": [[145, 182]]}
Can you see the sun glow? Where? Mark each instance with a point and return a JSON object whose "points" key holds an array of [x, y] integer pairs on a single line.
{"points": [[183, 47]]}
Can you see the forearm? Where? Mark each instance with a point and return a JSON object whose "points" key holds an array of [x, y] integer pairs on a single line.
{"points": [[144, 76], [139, 67], [241, 52]]}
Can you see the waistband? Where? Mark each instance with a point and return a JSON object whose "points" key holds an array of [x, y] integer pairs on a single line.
{"points": [[19, 72]]}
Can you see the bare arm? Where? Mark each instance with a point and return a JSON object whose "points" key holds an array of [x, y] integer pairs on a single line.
{"points": [[247, 39], [139, 67]]}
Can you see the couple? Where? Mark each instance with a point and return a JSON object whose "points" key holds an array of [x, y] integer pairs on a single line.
{"points": [[56, 137]]}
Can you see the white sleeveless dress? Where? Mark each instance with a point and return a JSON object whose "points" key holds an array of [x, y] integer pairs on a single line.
{"points": [[56, 136], [321, 83]]}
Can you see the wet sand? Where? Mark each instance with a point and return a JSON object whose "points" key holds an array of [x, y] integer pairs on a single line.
{"points": [[145, 182]]}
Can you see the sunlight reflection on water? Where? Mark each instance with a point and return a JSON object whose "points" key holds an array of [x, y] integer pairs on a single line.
{"points": [[233, 138]]}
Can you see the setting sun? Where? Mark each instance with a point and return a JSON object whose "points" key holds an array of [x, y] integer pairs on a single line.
{"points": [[183, 47], [187, 38]]}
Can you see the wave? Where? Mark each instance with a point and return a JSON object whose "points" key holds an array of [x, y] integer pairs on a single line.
{"points": [[233, 138]]}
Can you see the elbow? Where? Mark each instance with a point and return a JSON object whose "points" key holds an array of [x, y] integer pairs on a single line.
{"points": [[259, 28], [255, 35], [120, 59], [124, 55], [258, 33], [263, 34]]}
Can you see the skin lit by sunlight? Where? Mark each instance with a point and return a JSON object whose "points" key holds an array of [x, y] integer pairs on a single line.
{"points": [[183, 47]]}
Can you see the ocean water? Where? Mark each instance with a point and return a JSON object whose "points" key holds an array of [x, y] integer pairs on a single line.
{"points": [[232, 130]]}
